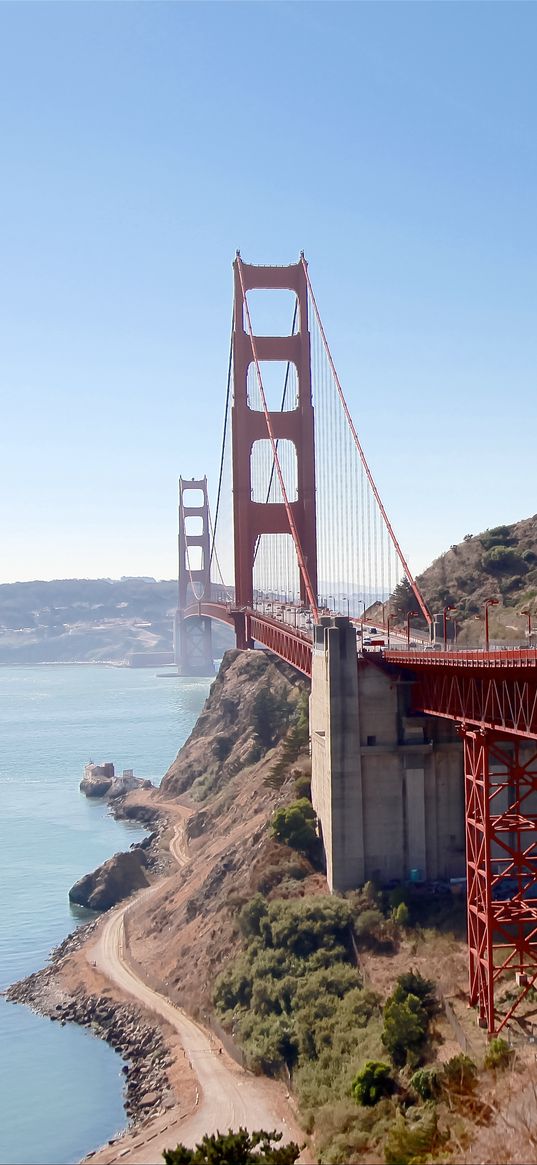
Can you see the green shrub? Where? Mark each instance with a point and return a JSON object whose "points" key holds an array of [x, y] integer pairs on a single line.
{"points": [[368, 926], [294, 996], [400, 914], [498, 1054], [426, 1083], [303, 786], [498, 536], [294, 825], [240, 1148], [409, 1141], [501, 559], [372, 1082], [412, 983], [459, 1075], [251, 915]]}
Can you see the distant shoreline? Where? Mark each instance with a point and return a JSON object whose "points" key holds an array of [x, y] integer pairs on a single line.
{"points": [[74, 663]]}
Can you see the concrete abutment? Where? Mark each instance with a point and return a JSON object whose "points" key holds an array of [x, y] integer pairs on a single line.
{"points": [[387, 787]]}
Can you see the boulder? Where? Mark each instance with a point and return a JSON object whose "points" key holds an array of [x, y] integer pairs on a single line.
{"points": [[112, 881]]}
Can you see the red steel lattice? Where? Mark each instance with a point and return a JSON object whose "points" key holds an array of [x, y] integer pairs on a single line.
{"points": [[501, 861]]}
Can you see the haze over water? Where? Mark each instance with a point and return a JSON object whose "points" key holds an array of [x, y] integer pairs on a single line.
{"points": [[61, 1088]]}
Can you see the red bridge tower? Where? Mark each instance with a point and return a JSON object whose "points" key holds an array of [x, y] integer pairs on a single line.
{"points": [[253, 518]]}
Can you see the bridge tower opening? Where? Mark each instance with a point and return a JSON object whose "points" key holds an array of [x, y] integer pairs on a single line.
{"points": [[192, 639], [252, 519]]}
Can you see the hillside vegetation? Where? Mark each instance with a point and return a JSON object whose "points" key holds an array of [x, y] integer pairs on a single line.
{"points": [[89, 620], [498, 563]]}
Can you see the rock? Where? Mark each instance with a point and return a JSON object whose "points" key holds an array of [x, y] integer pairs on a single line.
{"points": [[97, 779], [112, 881], [149, 1100]]}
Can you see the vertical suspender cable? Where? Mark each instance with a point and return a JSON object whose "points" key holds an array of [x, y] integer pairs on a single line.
{"points": [[406, 568]]}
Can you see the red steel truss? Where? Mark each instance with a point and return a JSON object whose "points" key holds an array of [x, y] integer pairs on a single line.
{"points": [[290, 643], [501, 862], [494, 690]]}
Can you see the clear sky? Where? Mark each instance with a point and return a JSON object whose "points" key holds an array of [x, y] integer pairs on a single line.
{"points": [[142, 143]]}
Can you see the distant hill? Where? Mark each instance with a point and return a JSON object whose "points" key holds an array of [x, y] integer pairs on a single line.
{"points": [[498, 563], [89, 620]]}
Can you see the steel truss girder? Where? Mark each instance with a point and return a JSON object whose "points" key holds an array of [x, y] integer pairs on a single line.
{"points": [[291, 644], [501, 701], [501, 868]]}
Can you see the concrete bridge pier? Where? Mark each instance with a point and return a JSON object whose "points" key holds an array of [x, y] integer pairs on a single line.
{"points": [[193, 649], [387, 786], [336, 782]]}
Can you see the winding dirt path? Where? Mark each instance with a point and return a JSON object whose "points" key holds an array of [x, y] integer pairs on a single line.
{"points": [[226, 1096]]}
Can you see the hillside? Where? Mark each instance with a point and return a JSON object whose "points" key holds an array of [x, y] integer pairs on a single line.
{"points": [[498, 563], [89, 620]]}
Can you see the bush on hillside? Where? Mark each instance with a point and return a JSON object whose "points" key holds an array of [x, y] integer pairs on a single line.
{"points": [[411, 1139], [240, 1148], [372, 1082], [294, 825], [498, 1054], [426, 1083], [498, 536], [412, 983], [295, 997], [501, 560], [270, 715], [405, 1030]]}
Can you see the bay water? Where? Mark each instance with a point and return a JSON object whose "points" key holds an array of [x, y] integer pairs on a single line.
{"points": [[61, 1088]]}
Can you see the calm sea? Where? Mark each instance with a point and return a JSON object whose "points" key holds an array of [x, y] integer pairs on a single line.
{"points": [[61, 1089]]}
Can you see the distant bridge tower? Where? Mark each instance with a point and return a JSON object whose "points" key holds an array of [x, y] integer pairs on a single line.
{"points": [[193, 643], [253, 518]]}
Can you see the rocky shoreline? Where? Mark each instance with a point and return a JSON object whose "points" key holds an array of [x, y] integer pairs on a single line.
{"points": [[124, 1026]]}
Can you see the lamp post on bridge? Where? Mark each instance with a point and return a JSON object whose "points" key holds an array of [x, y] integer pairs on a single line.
{"points": [[345, 600], [446, 609], [411, 615], [488, 603], [362, 617]]}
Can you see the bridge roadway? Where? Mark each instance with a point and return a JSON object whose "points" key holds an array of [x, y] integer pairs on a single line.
{"points": [[494, 689]]}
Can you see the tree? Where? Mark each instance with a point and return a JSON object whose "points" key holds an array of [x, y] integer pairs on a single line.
{"points": [[372, 1082], [241, 1148], [405, 1029], [270, 713], [412, 983]]}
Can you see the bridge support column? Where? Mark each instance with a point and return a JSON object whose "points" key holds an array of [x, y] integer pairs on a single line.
{"points": [[501, 862], [336, 783], [192, 638]]}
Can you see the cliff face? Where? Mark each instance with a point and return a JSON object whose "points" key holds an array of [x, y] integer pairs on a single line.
{"points": [[248, 710], [188, 933], [114, 880]]}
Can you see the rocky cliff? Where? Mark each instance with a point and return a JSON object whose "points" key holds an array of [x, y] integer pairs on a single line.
{"points": [[111, 882], [248, 711]]}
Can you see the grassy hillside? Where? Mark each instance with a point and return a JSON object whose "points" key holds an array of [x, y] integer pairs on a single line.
{"points": [[498, 563]]}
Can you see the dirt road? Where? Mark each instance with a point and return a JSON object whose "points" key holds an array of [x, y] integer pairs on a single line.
{"points": [[227, 1096]]}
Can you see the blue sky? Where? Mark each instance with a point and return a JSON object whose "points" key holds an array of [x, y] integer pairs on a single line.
{"points": [[141, 144]]}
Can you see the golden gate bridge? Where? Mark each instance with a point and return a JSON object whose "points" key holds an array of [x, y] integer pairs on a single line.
{"points": [[310, 534]]}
